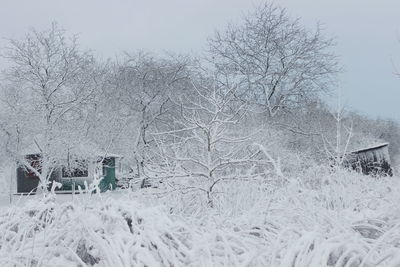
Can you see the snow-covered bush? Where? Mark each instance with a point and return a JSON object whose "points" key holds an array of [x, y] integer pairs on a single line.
{"points": [[113, 232], [320, 218], [317, 219]]}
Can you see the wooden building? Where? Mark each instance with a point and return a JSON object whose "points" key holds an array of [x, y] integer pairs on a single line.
{"points": [[73, 173], [373, 160]]}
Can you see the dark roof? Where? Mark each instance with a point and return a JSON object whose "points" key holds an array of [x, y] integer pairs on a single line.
{"points": [[369, 148]]}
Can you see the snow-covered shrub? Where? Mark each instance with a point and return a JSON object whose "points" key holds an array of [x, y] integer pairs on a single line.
{"points": [[113, 232], [319, 218]]}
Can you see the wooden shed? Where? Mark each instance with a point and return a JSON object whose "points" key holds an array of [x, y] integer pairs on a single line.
{"points": [[72, 173], [372, 160]]}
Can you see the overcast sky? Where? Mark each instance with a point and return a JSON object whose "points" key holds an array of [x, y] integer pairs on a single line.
{"points": [[367, 33]]}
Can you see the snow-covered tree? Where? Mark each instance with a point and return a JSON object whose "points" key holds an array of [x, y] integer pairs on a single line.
{"points": [[276, 61], [49, 80], [142, 88], [207, 143]]}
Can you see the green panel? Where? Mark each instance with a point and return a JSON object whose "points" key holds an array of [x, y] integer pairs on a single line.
{"points": [[108, 181]]}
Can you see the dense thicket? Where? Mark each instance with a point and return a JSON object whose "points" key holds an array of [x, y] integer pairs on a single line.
{"points": [[252, 105]]}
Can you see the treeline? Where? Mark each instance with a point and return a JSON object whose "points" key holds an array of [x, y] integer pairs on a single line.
{"points": [[251, 105]]}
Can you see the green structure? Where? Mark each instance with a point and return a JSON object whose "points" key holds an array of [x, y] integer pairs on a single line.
{"points": [[74, 173], [108, 181]]}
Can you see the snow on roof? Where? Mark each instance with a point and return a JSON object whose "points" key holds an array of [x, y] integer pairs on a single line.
{"points": [[30, 150], [372, 147], [86, 150], [109, 155]]}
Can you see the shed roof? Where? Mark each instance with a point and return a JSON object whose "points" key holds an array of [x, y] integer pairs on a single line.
{"points": [[82, 149], [373, 147]]}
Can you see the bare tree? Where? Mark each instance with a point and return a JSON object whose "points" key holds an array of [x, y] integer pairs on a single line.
{"points": [[208, 144], [143, 86], [274, 58], [337, 151], [50, 70]]}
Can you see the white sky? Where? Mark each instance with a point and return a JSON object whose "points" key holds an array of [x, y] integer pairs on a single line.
{"points": [[367, 32]]}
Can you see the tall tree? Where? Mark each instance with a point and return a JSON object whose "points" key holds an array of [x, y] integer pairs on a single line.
{"points": [[208, 143], [274, 58], [143, 87], [48, 68]]}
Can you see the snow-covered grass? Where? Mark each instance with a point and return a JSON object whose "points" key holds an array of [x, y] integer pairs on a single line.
{"points": [[316, 219]]}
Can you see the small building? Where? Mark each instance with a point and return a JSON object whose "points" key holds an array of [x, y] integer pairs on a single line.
{"points": [[73, 173], [373, 160]]}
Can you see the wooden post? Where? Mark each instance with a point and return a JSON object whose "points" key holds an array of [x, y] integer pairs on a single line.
{"points": [[11, 181]]}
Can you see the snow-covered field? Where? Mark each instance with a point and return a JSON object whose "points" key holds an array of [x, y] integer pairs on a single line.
{"points": [[323, 219]]}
